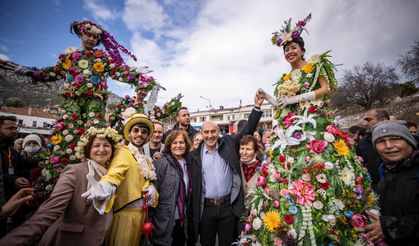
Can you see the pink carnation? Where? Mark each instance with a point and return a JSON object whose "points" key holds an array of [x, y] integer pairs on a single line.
{"points": [[332, 129], [317, 146], [304, 192]]}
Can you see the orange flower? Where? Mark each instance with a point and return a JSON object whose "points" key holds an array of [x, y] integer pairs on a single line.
{"points": [[286, 77], [67, 63], [307, 68], [99, 67], [56, 139]]}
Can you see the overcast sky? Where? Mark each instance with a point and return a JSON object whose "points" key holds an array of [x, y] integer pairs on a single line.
{"points": [[218, 49]]}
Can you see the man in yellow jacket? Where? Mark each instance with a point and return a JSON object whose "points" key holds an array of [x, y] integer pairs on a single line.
{"points": [[129, 178]]}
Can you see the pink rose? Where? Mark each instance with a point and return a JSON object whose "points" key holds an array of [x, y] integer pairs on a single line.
{"points": [[261, 181], [75, 55], [247, 227], [284, 193], [317, 146], [267, 191], [275, 203], [358, 221], [332, 129], [54, 159]]}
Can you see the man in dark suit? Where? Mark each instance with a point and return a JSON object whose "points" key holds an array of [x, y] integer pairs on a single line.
{"points": [[217, 191]]}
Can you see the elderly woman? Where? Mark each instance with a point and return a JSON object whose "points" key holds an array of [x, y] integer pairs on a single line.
{"points": [[249, 164], [173, 184], [66, 218], [196, 141]]}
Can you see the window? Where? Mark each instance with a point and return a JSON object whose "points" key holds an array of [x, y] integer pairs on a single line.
{"points": [[34, 123], [20, 122], [203, 119], [194, 119], [246, 115], [267, 113], [230, 117]]}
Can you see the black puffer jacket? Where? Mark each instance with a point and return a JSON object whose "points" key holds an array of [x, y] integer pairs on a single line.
{"points": [[399, 200]]}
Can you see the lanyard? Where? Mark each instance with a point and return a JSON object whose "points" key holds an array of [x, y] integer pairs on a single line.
{"points": [[9, 156]]}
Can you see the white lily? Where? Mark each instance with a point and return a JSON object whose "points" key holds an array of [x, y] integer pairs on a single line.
{"points": [[285, 138], [305, 118]]}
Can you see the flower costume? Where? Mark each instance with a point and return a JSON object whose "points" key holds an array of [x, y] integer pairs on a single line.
{"points": [[84, 72], [315, 190]]}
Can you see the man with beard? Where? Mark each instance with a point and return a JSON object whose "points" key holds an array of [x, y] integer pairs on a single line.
{"points": [[365, 148], [15, 169], [123, 189], [183, 123]]}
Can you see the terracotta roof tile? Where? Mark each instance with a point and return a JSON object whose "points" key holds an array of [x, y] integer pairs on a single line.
{"points": [[25, 111]]}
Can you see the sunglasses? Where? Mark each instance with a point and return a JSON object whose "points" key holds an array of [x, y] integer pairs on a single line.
{"points": [[141, 130]]}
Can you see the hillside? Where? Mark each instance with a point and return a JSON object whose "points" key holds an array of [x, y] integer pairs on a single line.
{"points": [[38, 96]]}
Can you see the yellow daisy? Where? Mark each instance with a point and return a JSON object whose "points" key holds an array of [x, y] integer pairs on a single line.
{"points": [[287, 77], [272, 221], [341, 148]]}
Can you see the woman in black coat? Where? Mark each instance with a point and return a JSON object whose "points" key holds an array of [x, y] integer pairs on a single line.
{"points": [[170, 217]]}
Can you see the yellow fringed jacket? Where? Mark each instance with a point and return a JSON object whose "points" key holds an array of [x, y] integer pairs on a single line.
{"points": [[123, 172]]}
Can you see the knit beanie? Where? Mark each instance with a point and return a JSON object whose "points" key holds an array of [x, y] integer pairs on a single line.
{"points": [[392, 128], [32, 137]]}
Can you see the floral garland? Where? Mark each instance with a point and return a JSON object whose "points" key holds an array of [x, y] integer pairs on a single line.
{"points": [[85, 73], [100, 133], [131, 102], [168, 108], [148, 171], [315, 190]]}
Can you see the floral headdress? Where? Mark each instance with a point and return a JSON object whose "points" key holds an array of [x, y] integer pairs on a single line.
{"points": [[111, 45], [100, 133], [287, 34]]}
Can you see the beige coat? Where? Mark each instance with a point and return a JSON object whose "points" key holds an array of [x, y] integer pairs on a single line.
{"points": [[65, 218]]}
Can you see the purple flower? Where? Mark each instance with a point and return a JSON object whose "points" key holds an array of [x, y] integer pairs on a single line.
{"points": [[279, 42], [131, 76], [79, 78], [295, 34]]}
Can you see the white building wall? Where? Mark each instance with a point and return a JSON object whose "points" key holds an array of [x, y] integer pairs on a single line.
{"points": [[31, 121]]}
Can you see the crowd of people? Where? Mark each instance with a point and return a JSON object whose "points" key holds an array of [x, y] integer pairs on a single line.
{"points": [[303, 181]]}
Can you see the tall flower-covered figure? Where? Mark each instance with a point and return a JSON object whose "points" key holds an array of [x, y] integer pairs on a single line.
{"points": [[314, 191], [84, 71]]}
